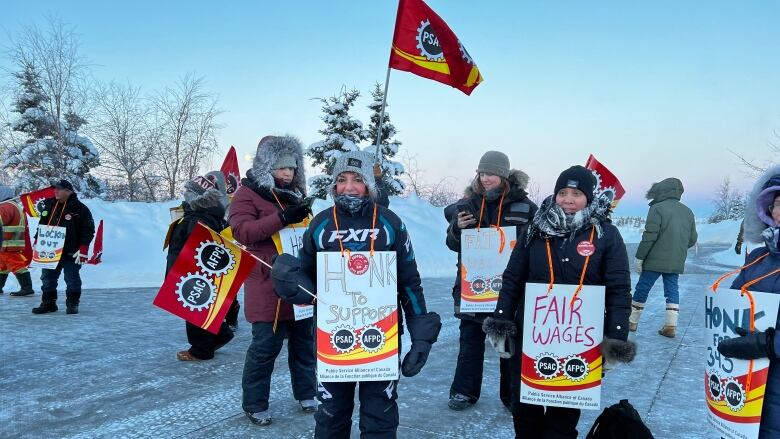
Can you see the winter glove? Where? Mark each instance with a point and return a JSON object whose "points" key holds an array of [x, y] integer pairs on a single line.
{"points": [[501, 334], [82, 255], [750, 345], [616, 351], [286, 275], [738, 248], [294, 214], [423, 330], [377, 171], [638, 264]]}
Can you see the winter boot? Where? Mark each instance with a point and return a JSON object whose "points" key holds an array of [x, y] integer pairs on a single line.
{"points": [[25, 284], [47, 305], [636, 313], [3, 278], [71, 308], [672, 312]]}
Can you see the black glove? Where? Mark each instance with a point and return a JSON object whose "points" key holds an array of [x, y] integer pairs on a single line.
{"points": [[750, 345], [294, 214], [423, 330], [286, 275], [738, 248], [501, 334]]}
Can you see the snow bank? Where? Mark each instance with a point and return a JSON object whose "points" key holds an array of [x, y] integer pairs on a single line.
{"points": [[134, 233]]}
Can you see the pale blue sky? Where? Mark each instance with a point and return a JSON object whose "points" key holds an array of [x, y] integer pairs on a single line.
{"points": [[653, 89]]}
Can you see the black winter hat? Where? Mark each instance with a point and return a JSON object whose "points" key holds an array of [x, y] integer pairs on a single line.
{"points": [[64, 184], [577, 177]]}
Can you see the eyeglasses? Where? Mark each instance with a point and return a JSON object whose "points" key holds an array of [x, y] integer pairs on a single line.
{"points": [[773, 206]]}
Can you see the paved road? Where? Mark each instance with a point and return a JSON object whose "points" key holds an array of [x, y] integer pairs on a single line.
{"points": [[111, 371]]}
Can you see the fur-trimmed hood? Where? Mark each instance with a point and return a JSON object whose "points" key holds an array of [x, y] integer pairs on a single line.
{"points": [[757, 218], [517, 180], [669, 188], [268, 151]]}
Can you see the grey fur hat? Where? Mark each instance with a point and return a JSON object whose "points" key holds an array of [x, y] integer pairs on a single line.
{"points": [[275, 150], [359, 162], [203, 192], [756, 216]]}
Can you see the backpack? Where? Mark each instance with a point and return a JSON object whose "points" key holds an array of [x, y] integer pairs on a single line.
{"points": [[619, 421]]}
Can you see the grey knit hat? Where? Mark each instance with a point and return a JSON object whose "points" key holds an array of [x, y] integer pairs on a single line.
{"points": [[285, 161], [358, 162], [494, 162]]}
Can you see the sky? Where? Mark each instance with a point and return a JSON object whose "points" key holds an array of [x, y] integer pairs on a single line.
{"points": [[652, 89]]}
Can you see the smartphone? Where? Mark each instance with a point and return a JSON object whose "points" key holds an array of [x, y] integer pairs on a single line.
{"points": [[464, 207]]}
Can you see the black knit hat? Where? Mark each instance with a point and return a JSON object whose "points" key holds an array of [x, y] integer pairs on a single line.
{"points": [[577, 177], [64, 184]]}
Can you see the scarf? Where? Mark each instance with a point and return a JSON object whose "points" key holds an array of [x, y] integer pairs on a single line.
{"points": [[551, 220], [351, 203], [771, 236]]}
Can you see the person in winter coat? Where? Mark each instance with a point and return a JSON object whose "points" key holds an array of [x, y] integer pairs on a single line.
{"points": [[272, 198], [205, 201], [496, 190], [670, 231], [66, 210], [14, 243], [355, 210], [549, 250], [762, 225]]}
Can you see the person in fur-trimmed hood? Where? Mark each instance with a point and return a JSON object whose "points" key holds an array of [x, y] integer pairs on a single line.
{"points": [[565, 219], [346, 227], [205, 201], [762, 225], [670, 230], [271, 198], [503, 192]]}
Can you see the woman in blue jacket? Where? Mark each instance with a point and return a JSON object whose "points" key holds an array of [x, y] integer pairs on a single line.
{"points": [[762, 224]]}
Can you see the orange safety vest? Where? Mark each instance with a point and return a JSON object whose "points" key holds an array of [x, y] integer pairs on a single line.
{"points": [[14, 224]]}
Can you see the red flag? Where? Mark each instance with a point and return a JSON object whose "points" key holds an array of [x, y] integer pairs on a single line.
{"points": [[97, 246], [606, 182], [230, 170], [32, 202], [205, 279], [423, 44]]}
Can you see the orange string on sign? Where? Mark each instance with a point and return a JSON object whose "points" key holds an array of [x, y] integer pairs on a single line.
{"points": [[61, 213], [549, 261], [584, 269], [730, 273], [373, 236], [277, 199]]}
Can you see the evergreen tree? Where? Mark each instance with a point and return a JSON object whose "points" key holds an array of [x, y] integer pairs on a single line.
{"points": [[391, 170], [50, 149], [342, 134], [738, 206]]}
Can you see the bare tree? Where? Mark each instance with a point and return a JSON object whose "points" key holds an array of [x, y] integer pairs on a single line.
{"points": [[754, 168], [119, 131], [185, 114]]}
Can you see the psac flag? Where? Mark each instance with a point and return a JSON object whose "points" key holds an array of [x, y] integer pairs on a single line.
{"points": [[606, 182], [423, 44], [204, 279], [230, 170], [32, 202]]}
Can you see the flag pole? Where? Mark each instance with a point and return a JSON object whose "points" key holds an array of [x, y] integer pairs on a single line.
{"points": [[382, 117]]}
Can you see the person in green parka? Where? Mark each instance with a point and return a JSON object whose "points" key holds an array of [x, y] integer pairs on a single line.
{"points": [[670, 231]]}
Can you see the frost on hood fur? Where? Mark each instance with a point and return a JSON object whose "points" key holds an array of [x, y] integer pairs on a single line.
{"points": [[268, 151], [669, 188], [757, 202]]}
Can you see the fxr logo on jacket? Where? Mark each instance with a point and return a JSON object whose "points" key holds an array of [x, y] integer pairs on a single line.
{"points": [[353, 235]]}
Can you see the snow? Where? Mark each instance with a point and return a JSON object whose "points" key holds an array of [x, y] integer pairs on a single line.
{"points": [[134, 232]]}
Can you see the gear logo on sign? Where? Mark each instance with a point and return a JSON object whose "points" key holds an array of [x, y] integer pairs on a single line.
{"points": [[575, 368], [343, 339], [734, 395], [40, 204], [372, 339], [358, 264], [496, 283], [196, 291], [547, 366], [214, 258], [428, 43], [478, 286], [231, 183], [715, 386], [465, 54]]}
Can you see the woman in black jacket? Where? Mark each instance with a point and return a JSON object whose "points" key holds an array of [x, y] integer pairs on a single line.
{"points": [[566, 219], [496, 190], [205, 201]]}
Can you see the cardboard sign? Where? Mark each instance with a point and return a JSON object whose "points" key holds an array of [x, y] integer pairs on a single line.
{"points": [[484, 254], [734, 405], [47, 250], [357, 331], [561, 359], [290, 240]]}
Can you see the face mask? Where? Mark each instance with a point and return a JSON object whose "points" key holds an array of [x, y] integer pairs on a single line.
{"points": [[351, 203]]}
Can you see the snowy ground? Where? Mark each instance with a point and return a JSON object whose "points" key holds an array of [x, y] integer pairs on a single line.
{"points": [[111, 371]]}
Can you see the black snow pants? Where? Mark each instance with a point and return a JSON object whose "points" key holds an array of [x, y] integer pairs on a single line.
{"points": [[205, 343], [378, 410], [469, 368]]}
